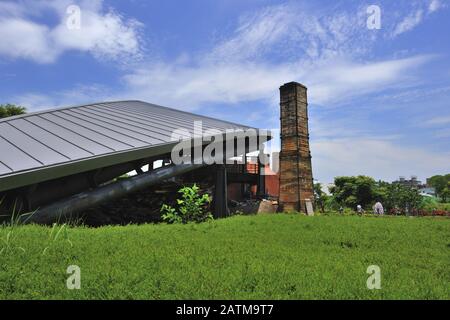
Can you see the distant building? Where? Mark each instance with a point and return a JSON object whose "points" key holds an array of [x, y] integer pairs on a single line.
{"points": [[412, 183], [427, 191], [326, 188]]}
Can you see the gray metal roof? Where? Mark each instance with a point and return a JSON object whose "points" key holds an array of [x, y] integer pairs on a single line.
{"points": [[44, 145]]}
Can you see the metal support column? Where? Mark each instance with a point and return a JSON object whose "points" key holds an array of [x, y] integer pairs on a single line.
{"points": [[220, 193], [244, 171], [261, 187]]}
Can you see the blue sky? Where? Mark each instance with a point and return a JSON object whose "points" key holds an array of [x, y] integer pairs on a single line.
{"points": [[379, 98]]}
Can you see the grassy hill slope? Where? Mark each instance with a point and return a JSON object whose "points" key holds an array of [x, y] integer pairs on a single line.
{"points": [[245, 257]]}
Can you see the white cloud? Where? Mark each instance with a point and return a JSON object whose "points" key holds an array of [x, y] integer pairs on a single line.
{"points": [[340, 81], [421, 11], [409, 23], [434, 5], [415, 94], [191, 87], [438, 121], [275, 45], [381, 159], [278, 44], [34, 42], [256, 33], [78, 95], [104, 34], [35, 101], [323, 52], [290, 31]]}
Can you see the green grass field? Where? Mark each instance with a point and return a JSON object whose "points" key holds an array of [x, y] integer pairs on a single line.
{"points": [[244, 257]]}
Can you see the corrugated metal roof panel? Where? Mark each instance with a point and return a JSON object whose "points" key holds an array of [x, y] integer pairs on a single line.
{"points": [[70, 136], [60, 145], [102, 128], [15, 158], [4, 169], [97, 134], [45, 145], [35, 149]]}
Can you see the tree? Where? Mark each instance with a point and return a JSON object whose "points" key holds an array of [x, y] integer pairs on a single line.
{"points": [[320, 197], [363, 190], [440, 182], [9, 110], [398, 198], [410, 199], [351, 191], [445, 193]]}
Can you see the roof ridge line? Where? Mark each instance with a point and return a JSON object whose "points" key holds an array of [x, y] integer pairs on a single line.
{"points": [[114, 101], [62, 108], [188, 112]]}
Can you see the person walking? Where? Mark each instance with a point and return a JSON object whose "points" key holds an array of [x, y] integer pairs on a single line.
{"points": [[378, 208], [359, 209]]}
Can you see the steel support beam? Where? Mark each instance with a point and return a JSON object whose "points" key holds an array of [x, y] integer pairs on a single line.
{"points": [[69, 207], [261, 186]]}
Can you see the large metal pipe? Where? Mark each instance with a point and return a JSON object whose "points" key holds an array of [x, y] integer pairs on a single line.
{"points": [[68, 207]]}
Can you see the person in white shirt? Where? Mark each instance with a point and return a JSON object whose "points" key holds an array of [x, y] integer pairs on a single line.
{"points": [[378, 208], [359, 209]]}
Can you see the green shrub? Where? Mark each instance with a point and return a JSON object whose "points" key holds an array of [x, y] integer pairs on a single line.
{"points": [[191, 207], [430, 204], [9, 110]]}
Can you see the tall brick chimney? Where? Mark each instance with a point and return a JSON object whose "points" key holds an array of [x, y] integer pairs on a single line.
{"points": [[296, 181]]}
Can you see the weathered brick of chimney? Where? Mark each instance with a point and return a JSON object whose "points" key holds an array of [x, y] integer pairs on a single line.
{"points": [[296, 181]]}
